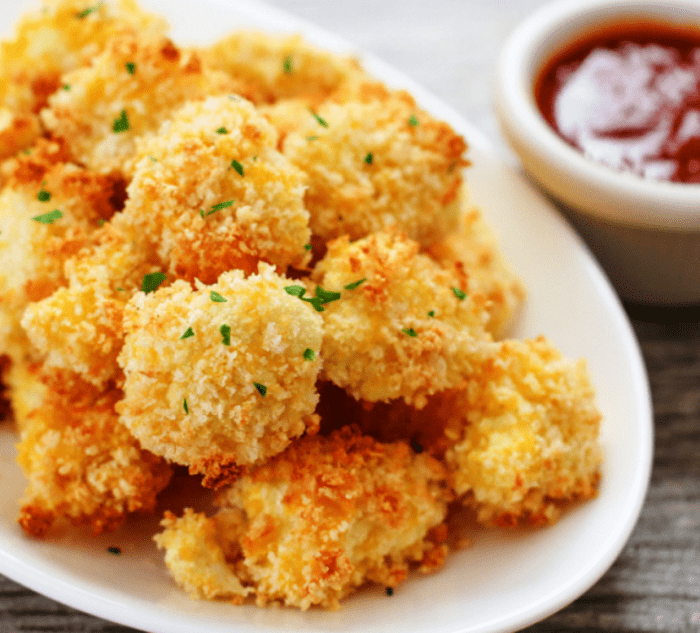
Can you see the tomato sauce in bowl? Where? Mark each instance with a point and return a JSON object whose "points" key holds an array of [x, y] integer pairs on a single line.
{"points": [[628, 96]]}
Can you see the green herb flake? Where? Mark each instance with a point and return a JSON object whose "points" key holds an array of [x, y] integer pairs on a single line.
{"points": [[316, 302], [410, 332], [185, 407], [121, 124], [460, 294], [88, 11], [326, 296], [295, 291], [369, 158], [66, 87], [413, 121], [431, 313], [312, 138], [188, 333], [43, 196], [321, 120], [307, 247], [262, 389], [221, 205], [355, 284], [130, 67], [120, 290], [237, 166], [389, 591], [287, 65], [48, 218], [222, 130], [225, 331], [114, 550], [153, 159], [151, 281], [309, 354], [216, 297]]}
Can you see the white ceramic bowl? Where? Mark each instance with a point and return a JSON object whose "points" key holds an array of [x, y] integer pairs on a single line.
{"points": [[645, 233]]}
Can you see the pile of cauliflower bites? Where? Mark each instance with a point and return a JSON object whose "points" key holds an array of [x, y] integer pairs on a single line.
{"points": [[256, 262]]}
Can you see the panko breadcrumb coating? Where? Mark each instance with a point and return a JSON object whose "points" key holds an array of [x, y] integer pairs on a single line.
{"points": [[408, 330], [378, 160], [474, 249], [79, 327], [127, 91], [321, 519], [212, 193], [33, 244], [237, 388], [58, 38], [82, 463], [280, 67]]}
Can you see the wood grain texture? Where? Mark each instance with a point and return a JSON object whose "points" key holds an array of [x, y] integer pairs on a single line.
{"points": [[451, 48]]}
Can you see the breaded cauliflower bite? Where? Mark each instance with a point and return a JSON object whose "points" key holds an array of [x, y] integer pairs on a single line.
{"points": [[378, 160], [313, 524], [403, 327], [127, 91], [49, 210], [527, 426], [219, 378], [82, 463], [474, 249], [61, 36], [211, 193], [280, 67]]}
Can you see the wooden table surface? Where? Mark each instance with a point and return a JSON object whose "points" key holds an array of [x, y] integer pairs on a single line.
{"points": [[451, 47]]}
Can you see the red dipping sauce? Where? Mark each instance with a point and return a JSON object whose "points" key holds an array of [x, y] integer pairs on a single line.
{"points": [[628, 96]]}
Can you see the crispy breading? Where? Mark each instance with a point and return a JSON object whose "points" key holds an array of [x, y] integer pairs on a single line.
{"points": [[110, 104], [409, 330], [280, 67], [33, 252], [79, 327], [474, 249], [377, 160], [248, 388], [321, 519], [205, 214], [81, 462], [24, 388], [47, 43]]}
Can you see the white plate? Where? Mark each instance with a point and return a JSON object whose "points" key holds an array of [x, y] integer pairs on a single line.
{"points": [[508, 579]]}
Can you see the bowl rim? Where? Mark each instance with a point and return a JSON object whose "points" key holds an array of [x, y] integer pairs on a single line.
{"points": [[620, 197]]}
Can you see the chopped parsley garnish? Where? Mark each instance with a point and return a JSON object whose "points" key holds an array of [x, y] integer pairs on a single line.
{"points": [[326, 295], [66, 87], [460, 294], [48, 218], [413, 121], [188, 333], [153, 158], [151, 281], [216, 297], [114, 550], [369, 158], [295, 291], [312, 138], [222, 130], [287, 66], [389, 591], [307, 247], [130, 67], [221, 205], [431, 313], [321, 120], [355, 284], [237, 166], [410, 332], [101, 222], [88, 11], [309, 354], [225, 331], [185, 407], [121, 124], [120, 290], [262, 389], [43, 196]]}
